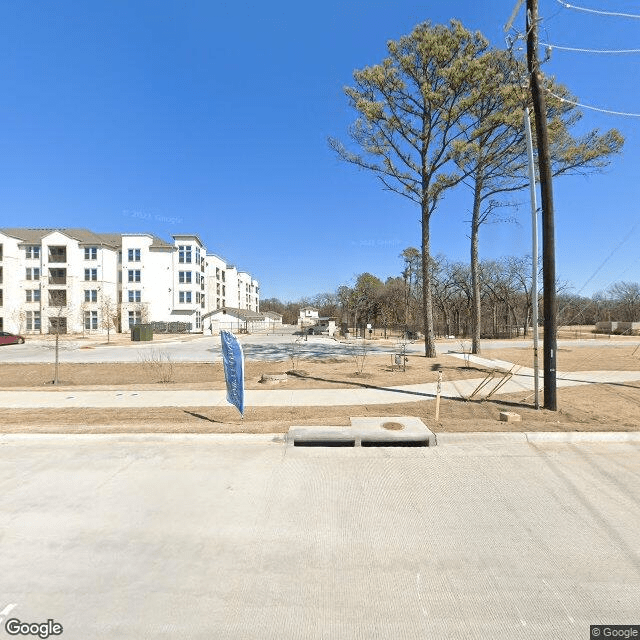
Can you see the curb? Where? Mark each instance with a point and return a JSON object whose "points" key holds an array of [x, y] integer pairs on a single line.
{"points": [[214, 438], [533, 437]]}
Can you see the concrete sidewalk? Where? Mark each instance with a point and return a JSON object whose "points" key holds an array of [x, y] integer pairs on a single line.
{"points": [[114, 398]]}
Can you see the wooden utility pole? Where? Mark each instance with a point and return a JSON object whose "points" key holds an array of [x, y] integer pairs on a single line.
{"points": [[546, 193]]}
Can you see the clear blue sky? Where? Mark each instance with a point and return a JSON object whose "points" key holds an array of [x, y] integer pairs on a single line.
{"points": [[212, 118]]}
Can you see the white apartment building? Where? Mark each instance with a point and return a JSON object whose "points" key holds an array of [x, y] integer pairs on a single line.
{"points": [[75, 280]]}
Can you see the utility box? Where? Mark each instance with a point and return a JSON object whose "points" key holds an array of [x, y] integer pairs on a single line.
{"points": [[141, 332]]}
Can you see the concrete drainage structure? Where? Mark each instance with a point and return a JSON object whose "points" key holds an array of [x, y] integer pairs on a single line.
{"points": [[273, 378], [404, 431]]}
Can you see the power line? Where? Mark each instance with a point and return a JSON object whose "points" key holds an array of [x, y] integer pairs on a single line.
{"points": [[593, 275], [579, 50], [598, 12], [586, 106]]}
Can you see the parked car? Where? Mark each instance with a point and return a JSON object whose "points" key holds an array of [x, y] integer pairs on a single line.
{"points": [[10, 338]]}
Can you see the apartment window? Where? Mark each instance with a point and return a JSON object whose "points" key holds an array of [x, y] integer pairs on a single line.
{"points": [[223, 276], [184, 254], [91, 295], [135, 317], [33, 295], [198, 318], [135, 295], [1, 298], [134, 275], [91, 253], [90, 320], [0, 275], [57, 298], [33, 321], [0, 252], [198, 255], [32, 251], [224, 290], [58, 254], [119, 257], [217, 273], [134, 255], [90, 274], [197, 277], [184, 297], [57, 276], [184, 277], [33, 273]]}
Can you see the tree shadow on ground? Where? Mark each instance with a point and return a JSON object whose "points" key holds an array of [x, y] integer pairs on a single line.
{"points": [[201, 417], [362, 385]]}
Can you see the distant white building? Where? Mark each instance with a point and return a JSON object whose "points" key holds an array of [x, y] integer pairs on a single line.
{"points": [[235, 320], [308, 316], [273, 318], [75, 280]]}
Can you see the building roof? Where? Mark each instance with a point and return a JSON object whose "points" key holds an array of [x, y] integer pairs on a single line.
{"points": [[83, 236], [241, 314], [195, 236], [272, 314]]}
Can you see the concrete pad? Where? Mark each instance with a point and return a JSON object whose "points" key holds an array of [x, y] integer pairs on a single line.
{"points": [[366, 431]]}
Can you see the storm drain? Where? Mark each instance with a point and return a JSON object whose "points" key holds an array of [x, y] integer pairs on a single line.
{"points": [[395, 443], [404, 431], [323, 443]]}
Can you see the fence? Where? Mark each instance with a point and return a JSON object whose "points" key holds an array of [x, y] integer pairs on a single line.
{"points": [[171, 327]]}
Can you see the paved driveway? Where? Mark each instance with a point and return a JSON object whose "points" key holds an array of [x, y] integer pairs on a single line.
{"points": [[134, 537]]}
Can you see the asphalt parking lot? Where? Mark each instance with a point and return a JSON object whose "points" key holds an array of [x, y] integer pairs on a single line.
{"points": [[259, 346], [134, 537], [185, 349]]}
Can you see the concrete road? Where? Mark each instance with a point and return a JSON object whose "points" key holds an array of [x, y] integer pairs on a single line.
{"points": [[135, 537]]}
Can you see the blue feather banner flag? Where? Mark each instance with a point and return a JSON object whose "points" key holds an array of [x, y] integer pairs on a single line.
{"points": [[233, 361]]}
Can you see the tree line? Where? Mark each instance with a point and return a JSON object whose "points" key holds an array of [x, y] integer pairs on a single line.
{"points": [[505, 290]]}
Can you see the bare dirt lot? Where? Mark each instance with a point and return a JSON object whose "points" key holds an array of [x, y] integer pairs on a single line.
{"points": [[591, 407]]}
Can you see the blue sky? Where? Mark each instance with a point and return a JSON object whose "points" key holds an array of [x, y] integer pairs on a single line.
{"points": [[213, 117]]}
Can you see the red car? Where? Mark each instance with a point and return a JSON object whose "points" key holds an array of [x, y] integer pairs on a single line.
{"points": [[10, 338]]}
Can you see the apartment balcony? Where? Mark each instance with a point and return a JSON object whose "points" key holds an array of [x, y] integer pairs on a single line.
{"points": [[58, 276], [57, 298], [57, 254]]}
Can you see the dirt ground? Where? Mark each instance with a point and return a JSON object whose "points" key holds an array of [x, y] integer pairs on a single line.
{"points": [[592, 407]]}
